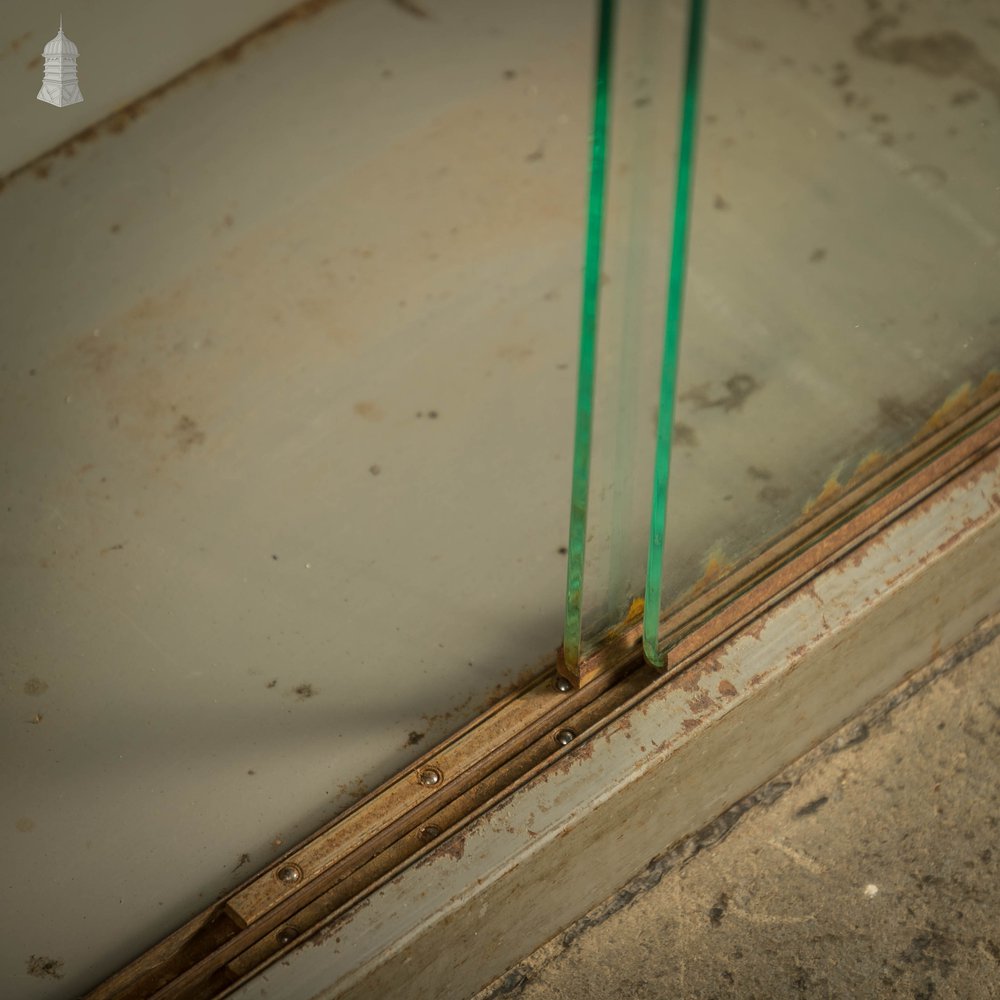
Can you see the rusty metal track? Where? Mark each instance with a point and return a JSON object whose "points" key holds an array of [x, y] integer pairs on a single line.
{"points": [[423, 809]]}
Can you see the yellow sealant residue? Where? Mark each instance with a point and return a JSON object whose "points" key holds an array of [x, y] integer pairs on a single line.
{"points": [[716, 566], [959, 400], [956, 403], [989, 385], [872, 462], [633, 615], [832, 489]]}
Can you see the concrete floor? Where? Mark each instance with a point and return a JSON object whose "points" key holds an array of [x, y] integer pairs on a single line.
{"points": [[869, 868]]}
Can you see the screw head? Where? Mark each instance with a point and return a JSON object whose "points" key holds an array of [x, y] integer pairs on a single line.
{"points": [[565, 736], [287, 934], [289, 874], [429, 776], [563, 685], [429, 833]]}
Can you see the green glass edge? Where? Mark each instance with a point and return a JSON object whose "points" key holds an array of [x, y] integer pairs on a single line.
{"points": [[572, 626], [672, 335]]}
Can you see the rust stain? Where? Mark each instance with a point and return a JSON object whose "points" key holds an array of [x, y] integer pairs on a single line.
{"points": [[119, 120], [857, 557], [755, 628], [34, 63], [690, 724], [453, 848], [703, 703], [581, 752], [757, 678], [689, 681], [726, 689], [14, 44], [368, 410]]}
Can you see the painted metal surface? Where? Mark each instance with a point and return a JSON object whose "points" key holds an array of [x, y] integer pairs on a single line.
{"points": [[278, 510], [127, 50], [670, 763]]}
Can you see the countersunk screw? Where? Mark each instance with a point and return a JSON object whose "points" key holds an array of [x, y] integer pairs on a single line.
{"points": [[565, 736], [289, 874], [563, 685], [429, 833], [287, 934], [429, 776]]}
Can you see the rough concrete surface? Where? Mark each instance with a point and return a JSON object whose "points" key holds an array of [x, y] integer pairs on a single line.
{"points": [[868, 868]]}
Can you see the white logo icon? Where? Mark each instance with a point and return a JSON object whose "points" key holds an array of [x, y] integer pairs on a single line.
{"points": [[59, 85]]}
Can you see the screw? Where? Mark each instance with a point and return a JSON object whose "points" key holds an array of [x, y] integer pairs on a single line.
{"points": [[429, 776], [287, 934], [289, 874], [564, 737], [429, 833], [563, 685]]}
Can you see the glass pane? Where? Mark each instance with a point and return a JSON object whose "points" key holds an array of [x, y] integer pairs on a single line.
{"points": [[628, 340], [842, 299]]}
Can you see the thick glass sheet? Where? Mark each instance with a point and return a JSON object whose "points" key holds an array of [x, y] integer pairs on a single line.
{"points": [[621, 353], [842, 298]]}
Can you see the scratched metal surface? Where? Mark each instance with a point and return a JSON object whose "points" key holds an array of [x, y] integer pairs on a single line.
{"points": [[287, 383]]}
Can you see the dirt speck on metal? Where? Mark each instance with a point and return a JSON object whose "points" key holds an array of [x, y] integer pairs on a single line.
{"points": [[42, 967]]}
